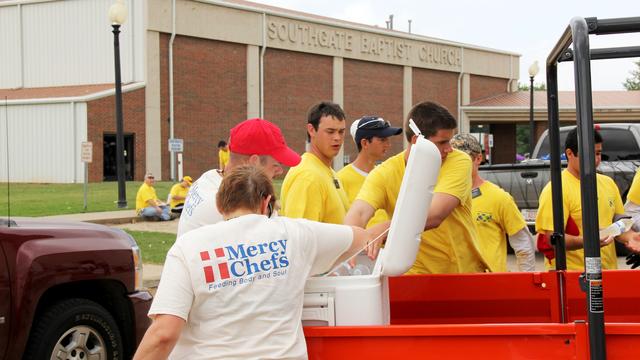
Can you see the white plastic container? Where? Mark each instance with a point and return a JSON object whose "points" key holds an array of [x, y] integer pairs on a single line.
{"points": [[364, 299], [617, 228]]}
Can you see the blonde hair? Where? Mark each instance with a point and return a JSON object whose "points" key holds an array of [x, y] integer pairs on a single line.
{"points": [[244, 187]]}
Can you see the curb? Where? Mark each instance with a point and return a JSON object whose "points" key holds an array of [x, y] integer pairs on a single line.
{"points": [[115, 221]]}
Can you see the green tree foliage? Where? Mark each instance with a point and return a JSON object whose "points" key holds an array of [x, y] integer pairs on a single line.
{"points": [[522, 138], [525, 86], [633, 82]]}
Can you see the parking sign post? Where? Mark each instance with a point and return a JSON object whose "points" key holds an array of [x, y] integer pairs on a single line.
{"points": [[86, 156]]}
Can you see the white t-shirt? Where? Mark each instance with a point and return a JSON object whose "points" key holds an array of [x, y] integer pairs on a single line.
{"points": [[239, 284], [200, 206]]}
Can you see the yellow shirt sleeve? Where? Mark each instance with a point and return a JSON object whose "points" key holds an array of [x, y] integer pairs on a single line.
{"points": [[634, 190], [304, 199], [175, 190], [373, 190], [455, 176], [512, 219]]}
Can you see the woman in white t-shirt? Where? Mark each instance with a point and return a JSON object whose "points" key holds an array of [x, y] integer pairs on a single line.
{"points": [[235, 289]]}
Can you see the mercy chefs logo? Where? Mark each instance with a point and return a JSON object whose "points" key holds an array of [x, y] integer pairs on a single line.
{"points": [[243, 264]]}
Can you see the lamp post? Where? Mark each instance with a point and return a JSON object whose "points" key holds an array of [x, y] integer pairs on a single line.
{"points": [[118, 15], [533, 71]]}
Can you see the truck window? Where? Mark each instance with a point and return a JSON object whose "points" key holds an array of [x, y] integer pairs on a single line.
{"points": [[618, 144], [544, 153]]}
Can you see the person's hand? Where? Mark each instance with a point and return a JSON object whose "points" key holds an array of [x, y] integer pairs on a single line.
{"points": [[606, 241], [631, 240], [158, 210], [374, 243], [633, 259]]}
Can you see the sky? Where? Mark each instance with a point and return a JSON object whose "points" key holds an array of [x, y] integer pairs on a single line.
{"points": [[530, 29]]}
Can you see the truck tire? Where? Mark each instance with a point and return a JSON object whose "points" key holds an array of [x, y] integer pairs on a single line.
{"points": [[75, 329]]}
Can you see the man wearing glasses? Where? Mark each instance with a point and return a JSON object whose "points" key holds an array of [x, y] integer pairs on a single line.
{"points": [[312, 190], [372, 135], [147, 203], [252, 142], [449, 242]]}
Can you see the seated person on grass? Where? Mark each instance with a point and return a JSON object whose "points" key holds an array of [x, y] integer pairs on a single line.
{"points": [[178, 194], [148, 206]]}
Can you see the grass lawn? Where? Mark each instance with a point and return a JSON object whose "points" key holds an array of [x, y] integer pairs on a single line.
{"points": [[58, 199], [153, 245]]}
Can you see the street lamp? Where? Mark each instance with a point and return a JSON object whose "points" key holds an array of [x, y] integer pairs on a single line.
{"points": [[533, 71], [118, 15]]}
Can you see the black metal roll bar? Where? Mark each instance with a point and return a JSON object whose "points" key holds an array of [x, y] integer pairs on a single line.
{"points": [[577, 33]]}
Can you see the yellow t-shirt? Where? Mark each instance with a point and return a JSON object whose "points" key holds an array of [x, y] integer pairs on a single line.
{"points": [[178, 190], [352, 181], [451, 247], [495, 214], [634, 191], [609, 204], [145, 193], [312, 191], [223, 158]]}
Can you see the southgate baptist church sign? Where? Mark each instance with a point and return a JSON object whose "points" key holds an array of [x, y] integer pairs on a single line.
{"points": [[355, 44]]}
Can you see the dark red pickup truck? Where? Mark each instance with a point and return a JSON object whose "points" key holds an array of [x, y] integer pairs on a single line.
{"points": [[69, 291]]}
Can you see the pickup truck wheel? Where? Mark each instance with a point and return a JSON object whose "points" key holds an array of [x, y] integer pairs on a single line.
{"points": [[75, 329]]}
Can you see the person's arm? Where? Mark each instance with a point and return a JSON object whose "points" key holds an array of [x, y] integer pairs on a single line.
{"points": [[631, 240], [632, 209], [362, 238], [573, 242], [441, 206], [359, 214], [160, 338], [522, 245]]}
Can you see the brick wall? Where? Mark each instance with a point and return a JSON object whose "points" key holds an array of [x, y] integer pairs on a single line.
{"points": [[483, 87], [101, 120], [437, 86], [210, 97], [372, 89], [293, 82]]}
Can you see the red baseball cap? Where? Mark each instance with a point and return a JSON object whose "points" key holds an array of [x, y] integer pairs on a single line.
{"points": [[260, 137]]}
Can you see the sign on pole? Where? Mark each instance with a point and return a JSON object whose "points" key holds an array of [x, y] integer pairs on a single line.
{"points": [[86, 151], [86, 156], [176, 145]]}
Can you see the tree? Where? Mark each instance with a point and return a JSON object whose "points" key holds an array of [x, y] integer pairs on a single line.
{"points": [[525, 86], [633, 82]]}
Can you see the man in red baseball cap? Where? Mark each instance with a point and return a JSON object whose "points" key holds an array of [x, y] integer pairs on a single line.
{"points": [[252, 142]]}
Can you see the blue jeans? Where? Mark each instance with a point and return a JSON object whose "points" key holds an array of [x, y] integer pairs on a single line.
{"points": [[150, 212]]}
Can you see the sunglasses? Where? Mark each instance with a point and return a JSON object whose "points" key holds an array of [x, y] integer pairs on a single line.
{"points": [[371, 123]]}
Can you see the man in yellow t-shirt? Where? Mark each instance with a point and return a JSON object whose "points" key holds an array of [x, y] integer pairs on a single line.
{"points": [[147, 203], [449, 244], [609, 209], [178, 194], [496, 215], [372, 135], [312, 190], [223, 154]]}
